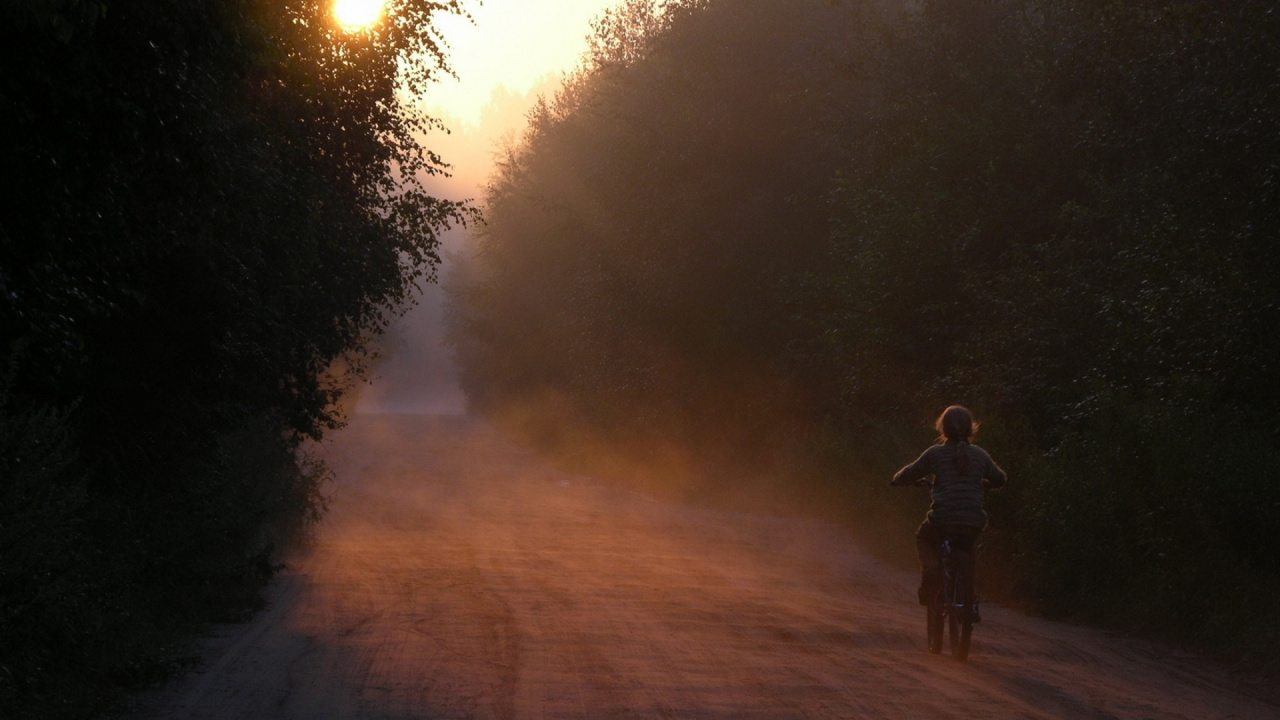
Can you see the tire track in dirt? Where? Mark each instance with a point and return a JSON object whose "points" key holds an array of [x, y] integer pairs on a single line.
{"points": [[461, 577]]}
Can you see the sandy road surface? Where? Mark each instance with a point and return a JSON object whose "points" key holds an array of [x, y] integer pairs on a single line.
{"points": [[459, 577]]}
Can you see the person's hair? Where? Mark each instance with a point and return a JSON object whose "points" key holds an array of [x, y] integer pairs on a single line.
{"points": [[957, 423]]}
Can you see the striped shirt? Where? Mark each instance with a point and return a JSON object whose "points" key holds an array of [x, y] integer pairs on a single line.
{"points": [[957, 496]]}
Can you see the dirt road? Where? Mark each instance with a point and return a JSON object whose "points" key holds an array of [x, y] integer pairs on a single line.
{"points": [[460, 577]]}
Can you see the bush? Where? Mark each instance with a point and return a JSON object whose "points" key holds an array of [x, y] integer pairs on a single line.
{"points": [[1160, 519], [95, 594]]}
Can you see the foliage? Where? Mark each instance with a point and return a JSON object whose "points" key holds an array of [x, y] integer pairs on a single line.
{"points": [[1081, 200], [46, 578], [208, 204], [685, 151], [1174, 496], [782, 236]]}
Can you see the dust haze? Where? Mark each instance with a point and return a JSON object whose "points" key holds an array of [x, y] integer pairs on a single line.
{"points": [[632, 528], [462, 576], [462, 573], [414, 371]]}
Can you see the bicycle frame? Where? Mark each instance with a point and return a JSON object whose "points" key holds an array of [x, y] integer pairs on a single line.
{"points": [[956, 602]]}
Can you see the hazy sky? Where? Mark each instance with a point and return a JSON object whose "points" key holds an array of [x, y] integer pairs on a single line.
{"points": [[513, 43], [516, 50]]}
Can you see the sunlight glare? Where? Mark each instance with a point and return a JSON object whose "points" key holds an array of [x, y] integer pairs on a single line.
{"points": [[354, 15]]}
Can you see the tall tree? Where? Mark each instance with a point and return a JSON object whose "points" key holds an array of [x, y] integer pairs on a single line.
{"points": [[209, 203], [640, 237]]}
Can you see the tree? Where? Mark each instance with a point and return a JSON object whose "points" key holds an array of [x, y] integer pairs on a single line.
{"points": [[211, 203], [640, 239], [1061, 215]]}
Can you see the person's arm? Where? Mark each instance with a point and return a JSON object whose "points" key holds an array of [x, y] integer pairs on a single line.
{"points": [[913, 472], [993, 475]]}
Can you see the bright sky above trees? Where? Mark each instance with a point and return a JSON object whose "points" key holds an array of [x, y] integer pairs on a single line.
{"points": [[513, 43]]}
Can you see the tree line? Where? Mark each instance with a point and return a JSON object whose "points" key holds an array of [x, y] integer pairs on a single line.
{"points": [[209, 208], [763, 242]]}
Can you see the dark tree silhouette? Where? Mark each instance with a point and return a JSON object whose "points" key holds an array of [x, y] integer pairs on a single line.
{"points": [[207, 204]]}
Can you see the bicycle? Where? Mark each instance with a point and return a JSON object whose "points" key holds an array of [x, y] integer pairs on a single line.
{"points": [[955, 603]]}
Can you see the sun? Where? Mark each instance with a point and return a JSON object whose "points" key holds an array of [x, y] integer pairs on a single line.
{"points": [[355, 15]]}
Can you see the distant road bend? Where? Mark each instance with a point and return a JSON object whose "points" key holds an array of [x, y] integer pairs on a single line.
{"points": [[460, 577]]}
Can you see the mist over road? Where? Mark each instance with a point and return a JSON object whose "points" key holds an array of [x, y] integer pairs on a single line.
{"points": [[460, 577]]}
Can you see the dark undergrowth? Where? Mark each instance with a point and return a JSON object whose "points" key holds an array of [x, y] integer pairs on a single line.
{"points": [[98, 596]]}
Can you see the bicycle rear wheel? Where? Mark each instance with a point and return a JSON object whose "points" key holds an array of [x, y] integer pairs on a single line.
{"points": [[960, 604], [934, 624]]}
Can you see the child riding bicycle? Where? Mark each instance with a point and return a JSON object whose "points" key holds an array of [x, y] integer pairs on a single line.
{"points": [[961, 471]]}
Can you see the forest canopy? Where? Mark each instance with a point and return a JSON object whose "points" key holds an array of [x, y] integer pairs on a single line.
{"points": [[772, 239], [207, 205]]}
